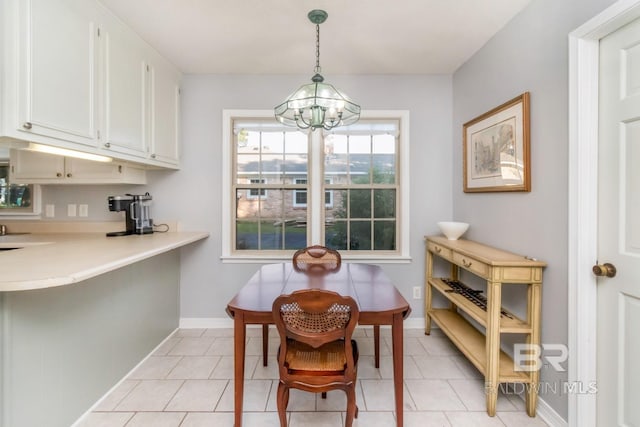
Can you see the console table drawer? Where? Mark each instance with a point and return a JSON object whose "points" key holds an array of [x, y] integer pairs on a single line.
{"points": [[439, 250], [471, 264]]}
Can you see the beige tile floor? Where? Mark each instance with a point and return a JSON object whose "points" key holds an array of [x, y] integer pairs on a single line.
{"points": [[188, 382]]}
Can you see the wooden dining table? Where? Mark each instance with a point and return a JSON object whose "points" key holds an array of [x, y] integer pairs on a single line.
{"points": [[379, 301]]}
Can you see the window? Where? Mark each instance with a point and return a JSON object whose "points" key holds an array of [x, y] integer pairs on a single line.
{"points": [[364, 169], [290, 189]]}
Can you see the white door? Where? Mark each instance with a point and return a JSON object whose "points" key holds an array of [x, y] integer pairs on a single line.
{"points": [[618, 317]]}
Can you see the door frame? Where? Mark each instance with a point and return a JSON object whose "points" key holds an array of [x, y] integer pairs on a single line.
{"points": [[583, 201]]}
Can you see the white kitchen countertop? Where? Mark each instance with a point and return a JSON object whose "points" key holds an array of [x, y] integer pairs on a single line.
{"points": [[45, 260]]}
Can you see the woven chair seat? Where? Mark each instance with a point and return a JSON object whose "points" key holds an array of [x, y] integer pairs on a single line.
{"points": [[328, 358]]}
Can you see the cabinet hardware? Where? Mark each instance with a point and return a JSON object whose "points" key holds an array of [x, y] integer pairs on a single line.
{"points": [[119, 168], [27, 125], [69, 175], [59, 175], [107, 144], [153, 156], [438, 249], [466, 263]]}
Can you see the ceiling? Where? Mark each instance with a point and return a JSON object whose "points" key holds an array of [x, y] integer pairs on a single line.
{"points": [[275, 36]]}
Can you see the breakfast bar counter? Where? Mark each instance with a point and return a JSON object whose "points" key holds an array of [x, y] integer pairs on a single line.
{"points": [[78, 311], [45, 260]]}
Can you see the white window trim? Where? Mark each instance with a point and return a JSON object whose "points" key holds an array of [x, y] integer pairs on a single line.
{"points": [[403, 255]]}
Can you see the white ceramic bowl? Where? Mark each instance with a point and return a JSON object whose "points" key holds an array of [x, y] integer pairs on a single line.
{"points": [[453, 230]]}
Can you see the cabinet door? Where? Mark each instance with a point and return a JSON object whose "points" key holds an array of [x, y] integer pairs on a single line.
{"points": [[165, 113], [125, 89], [29, 165], [57, 81], [87, 170]]}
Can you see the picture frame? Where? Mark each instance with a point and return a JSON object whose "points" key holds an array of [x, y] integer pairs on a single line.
{"points": [[496, 151]]}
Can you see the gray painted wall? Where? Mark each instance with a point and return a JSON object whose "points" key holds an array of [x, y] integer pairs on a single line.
{"points": [[194, 192], [529, 54]]}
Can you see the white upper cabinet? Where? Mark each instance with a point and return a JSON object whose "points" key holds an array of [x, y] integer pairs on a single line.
{"points": [[57, 78], [125, 89], [165, 112], [77, 77]]}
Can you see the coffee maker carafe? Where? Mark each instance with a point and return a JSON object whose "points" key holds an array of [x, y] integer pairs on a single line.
{"points": [[137, 210]]}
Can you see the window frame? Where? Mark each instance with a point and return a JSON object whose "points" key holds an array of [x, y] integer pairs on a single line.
{"points": [[402, 252]]}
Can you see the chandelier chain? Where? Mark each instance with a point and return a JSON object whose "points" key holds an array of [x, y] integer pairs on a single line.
{"points": [[317, 69]]}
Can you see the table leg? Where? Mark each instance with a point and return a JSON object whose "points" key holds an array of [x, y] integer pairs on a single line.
{"points": [[398, 363], [239, 337], [265, 344], [376, 345], [492, 374]]}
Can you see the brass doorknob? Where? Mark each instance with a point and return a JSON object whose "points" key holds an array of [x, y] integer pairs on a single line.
{"points": [[604, 270]]}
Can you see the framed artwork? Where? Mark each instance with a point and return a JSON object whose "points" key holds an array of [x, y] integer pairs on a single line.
{"points": [[496, 149]]}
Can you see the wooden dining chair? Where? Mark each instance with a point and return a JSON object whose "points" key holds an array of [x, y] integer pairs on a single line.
{"points": [[317, 353], [320, 259], [316, 258]]}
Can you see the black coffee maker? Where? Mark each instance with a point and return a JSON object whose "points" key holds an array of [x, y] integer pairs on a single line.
{"points": [[136, 208]]}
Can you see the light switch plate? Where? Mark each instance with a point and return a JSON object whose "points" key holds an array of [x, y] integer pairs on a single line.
{"points": [[71, 209], [83, 210], [50, 211]]}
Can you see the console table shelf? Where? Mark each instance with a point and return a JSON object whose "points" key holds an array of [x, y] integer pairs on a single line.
{"points": [[497, 268], [507, 325], [472, 343]]}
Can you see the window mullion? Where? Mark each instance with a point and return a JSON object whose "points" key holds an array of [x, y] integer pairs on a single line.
{"points": [[315, 203]]}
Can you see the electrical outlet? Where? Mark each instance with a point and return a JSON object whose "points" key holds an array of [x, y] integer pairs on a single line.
{"points": [[72, 209], [417, 292], [83, 210], [50, 211]]}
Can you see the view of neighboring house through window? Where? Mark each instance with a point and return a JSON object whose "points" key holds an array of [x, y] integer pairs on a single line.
{"points": [[268, 161], [357, 178], [300, 196]]}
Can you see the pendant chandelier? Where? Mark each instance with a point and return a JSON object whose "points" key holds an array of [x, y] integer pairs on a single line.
{"points": [[318, 104]]}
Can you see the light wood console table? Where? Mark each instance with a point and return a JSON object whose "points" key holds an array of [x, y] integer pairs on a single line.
{"points": [[498, 268]]}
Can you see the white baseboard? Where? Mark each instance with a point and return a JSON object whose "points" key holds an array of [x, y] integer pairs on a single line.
{"points": [[225, 322], [549, 415]]}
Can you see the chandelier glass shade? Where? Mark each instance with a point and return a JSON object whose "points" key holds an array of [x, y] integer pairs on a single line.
{"points": [[318, 104]]}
